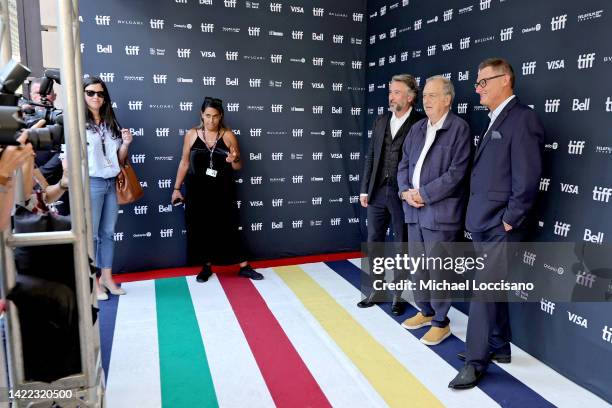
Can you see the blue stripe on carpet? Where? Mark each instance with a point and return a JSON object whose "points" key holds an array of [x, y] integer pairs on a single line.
{"points": [[502, 387], [107, 316]]}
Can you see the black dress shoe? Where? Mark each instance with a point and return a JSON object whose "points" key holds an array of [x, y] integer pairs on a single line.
{"points": [[498, 358], [204, 274], [398, 307], [467, 378], [371, 300], [248, 272]]}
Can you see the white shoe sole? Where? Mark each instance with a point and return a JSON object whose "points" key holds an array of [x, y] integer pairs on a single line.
{"points": [[405, 326], [430, 343]]}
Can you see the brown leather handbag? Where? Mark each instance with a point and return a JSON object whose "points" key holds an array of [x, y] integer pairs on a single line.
{"points": [[128, 186]]}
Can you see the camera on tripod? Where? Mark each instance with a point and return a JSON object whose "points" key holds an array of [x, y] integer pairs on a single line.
{"points": [[50, 137]]}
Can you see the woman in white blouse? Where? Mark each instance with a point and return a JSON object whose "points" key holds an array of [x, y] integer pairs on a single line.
{"points": [[107, 146]]}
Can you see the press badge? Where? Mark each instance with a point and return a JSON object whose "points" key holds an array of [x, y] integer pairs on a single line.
{"points": [[211, 172]]}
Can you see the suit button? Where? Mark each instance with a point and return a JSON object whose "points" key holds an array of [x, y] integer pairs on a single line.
{"points": [[473, 174], [471, 193]]}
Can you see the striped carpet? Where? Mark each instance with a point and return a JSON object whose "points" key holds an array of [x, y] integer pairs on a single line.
{"points": [[295, 339]]}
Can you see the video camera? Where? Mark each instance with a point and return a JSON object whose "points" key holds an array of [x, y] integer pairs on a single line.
{"points": [[12, 121]]}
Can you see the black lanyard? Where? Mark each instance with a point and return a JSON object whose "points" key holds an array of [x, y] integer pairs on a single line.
{"points": [[99, 130], [211, 149]]}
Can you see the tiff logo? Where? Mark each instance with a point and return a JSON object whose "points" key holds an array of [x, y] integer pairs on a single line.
{"points": [[585, 279], [156, 24], [355, 111], [297, 179], [102, 20], [231, 55], [134, 105], [277, 202], [317, 61], [355, 155], [276, 58], [141, 209], [558, 22], [552, 105], [317, 11], [462, 108], [256, 226], [297, 35], [448, 15], [317, 200], [297, 224], [186, 106], [162, 132], [107, 76], [276, 7], [336, 178], [254, 82], [166, 183], [138, 158], [464, 43], [255, 132], [608, 104], [586, 60], [562, 228], [602, 194], [485, 4], [431, 50], [575, 146], [118, 236], [166, 233], [277, 108], [183, 52], [529, 68], [418, 24], [544, 184], [297, 84], [337, 39], [256, 180], [229, 3], [336, 133], [506, 34], [297, 132], [233, 107], [132, 50], [254, 31], [317, 156], [529, 258], [317, 110], [160, 78], [356, 64], [209, 80], [277, 156], [358, 17], [607, 334], [334, 222], [207, 27], [547, 306]]}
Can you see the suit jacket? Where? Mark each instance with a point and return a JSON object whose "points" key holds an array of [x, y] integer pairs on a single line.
{"points": [[506, 170], [372, 161], [443, 174]]}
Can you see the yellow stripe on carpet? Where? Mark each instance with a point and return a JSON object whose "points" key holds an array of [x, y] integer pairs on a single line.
{"points": [[396, 385]]}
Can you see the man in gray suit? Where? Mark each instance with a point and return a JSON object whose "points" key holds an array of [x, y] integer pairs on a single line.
{"points": [[432, 181]]}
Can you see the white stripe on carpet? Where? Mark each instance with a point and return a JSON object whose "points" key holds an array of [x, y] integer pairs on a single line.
{"points": [[133, 377]]}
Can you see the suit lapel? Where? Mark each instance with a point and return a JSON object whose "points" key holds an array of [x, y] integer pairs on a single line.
{"points": [[403, 130], [494, 126]]}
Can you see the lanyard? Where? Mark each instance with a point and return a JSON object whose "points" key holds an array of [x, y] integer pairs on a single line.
{"points": [[211, 149], [99, 130]]}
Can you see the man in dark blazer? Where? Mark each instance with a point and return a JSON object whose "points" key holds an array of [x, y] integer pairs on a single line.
{"points": [[431, 179], [503, 187], [379, 192]]}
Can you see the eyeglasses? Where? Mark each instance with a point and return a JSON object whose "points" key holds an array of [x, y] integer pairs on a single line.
{"points": [[483, 82], [213, 100], [92, 93]]}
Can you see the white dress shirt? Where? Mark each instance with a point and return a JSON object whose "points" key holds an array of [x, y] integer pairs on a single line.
{"points": [[495, 113], [429, 139], [396, 123]]}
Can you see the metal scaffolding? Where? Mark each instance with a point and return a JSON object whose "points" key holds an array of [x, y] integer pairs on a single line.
{"points": [[88, 386]]}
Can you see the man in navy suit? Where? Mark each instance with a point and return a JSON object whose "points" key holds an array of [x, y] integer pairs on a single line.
{"points": [[379, 192], [504, 183], [431, 179]]}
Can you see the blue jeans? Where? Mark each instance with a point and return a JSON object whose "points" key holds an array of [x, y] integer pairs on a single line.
{"points": [[104, 210]]}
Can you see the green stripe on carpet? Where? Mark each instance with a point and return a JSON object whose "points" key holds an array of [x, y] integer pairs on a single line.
{"points": [[184, 373]]}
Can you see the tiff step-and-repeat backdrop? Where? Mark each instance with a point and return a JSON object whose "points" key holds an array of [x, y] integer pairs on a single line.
{"points": [[562, 57], [292, 79]]}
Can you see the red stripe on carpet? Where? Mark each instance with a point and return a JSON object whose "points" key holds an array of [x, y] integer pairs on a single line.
{"points": [[290, 382], [185, 271]]}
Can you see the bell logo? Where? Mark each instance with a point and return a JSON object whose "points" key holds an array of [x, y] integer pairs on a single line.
{"points": [[317, 110], [276, 58], [569, 188], [231, 55], [160, 78], [118, 236], [277, 225], [166, 233], [462, 108], [138, 158], [580, 321], [317, 11], [207, 27], [336, 178], [594, 238], [276, 7], [162, 132], [581, 106], [529, 68], [317, 156], [132, 50], [575, 147], [104, 49], [558, 22], [336, 133], [485, 4], [165, 209], [552, 105], [418, 24], [255, 156], [585, 279], [183, 52], [353, 177], [586, 60], [209, 81], [297, 224], [277, 202], [102, 20], [464, 43], [431, 50], [256, 226], [337, 86], [602, 194], [231, 81], [297, 132], [337, 111], [561, 228], [464, 76], [276, 108], [506, 34], [107, 76], [254, 82], [156, 24], [547, 306], [544, 183], [317, 37], [256, 180], [529, 258], [186, 106], [255, 132], [317, 200], [140, 209]]}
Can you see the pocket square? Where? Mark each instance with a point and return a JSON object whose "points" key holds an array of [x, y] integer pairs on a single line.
{"points": [[496, 135]]}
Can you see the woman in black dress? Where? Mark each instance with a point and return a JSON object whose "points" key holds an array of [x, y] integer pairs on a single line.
{"points": [[210, 156]]}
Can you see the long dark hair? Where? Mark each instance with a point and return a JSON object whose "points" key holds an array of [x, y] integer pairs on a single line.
{"points": [[214, 103], [106, 111]]}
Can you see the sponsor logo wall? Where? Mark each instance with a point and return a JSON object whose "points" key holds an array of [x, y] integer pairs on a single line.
{"points": [[292, 79], [562, 61]]}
